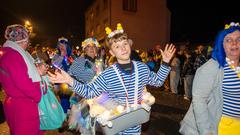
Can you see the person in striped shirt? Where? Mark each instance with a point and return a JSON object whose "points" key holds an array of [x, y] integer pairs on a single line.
{"points": [[84, 69], [215, 107], [120, 85]]}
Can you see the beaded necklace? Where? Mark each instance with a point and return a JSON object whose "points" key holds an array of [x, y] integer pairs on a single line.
{"points": [[236, 69]]}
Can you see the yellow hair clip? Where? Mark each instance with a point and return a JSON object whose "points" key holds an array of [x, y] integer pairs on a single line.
{"points": [[227, 26], [119, 26], [108, 30]]}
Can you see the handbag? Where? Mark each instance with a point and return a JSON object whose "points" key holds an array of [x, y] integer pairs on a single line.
{"points": [[50, 111]]}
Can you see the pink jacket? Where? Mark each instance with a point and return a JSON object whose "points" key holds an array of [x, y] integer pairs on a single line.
{"points": [[23, 95]]}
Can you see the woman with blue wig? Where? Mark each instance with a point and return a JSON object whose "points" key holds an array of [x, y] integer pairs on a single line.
{"points": [[63, 58], [215, 107]]}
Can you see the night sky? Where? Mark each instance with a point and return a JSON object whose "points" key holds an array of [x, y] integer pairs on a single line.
{"points": [[50, 18], [195, 21], [199, 21]]}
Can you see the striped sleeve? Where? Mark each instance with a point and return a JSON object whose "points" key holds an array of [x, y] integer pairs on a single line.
{"points": [[90, 90], [159, 78], [77, 69]]}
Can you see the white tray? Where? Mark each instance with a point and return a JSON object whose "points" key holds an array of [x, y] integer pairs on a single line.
{"points": [[126, 120]]}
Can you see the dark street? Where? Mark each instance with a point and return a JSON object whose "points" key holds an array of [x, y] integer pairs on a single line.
{"points": [[167, 112]]}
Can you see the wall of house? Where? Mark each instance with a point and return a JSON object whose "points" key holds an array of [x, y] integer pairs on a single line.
{"points": [[148, 26]]}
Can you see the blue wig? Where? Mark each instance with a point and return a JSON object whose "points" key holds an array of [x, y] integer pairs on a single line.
{"points": [[65, 42], [218, 52]]}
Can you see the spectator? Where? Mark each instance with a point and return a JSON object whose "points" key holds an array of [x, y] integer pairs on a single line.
{"points": [[215, 99], [21, 83]]}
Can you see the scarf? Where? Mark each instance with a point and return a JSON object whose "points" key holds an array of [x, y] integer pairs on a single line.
{"points": [[32, 70]]}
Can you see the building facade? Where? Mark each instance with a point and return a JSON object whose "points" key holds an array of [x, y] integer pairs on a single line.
{"points": [[147, 23]]}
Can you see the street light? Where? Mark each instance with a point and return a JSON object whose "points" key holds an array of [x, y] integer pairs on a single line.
{"points": [[27, 23], [29, 27]]}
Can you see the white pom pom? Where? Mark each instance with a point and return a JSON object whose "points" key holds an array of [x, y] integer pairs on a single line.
{"points": [[120, 108], [232, 24], [151, 100], [109, 124], [106, 115]]}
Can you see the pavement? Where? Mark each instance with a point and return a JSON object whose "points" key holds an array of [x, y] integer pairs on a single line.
{"points": [[166, 114]]}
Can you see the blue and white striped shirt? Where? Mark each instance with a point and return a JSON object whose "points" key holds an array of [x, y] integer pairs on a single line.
{"points": [[109, 83], [231, 93], [82, 69]]}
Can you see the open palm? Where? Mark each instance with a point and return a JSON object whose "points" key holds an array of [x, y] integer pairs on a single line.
{"points": [[168, 52], [60, 77]]}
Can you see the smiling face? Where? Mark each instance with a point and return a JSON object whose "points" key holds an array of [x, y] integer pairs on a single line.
{"points": [[231, 45], [121, 50], [91, 50]]}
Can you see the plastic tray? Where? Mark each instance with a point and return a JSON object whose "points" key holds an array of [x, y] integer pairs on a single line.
{"points": [[126, 120]]}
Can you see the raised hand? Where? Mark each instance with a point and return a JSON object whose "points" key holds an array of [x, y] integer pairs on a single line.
{"points": [[168, 52], [60, 76]]}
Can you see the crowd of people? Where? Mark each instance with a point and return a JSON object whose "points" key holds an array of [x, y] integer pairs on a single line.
{"points": [[210, 80]]}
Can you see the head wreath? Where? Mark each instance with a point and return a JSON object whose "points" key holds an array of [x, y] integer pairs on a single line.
{"points": [[111, 33], [232, 24], [90, 41]]}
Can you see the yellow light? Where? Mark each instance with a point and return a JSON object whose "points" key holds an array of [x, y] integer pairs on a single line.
{"points": [[27, 23], [64, 87]]}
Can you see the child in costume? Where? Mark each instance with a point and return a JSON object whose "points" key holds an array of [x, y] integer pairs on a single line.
{"points": [[50, 111], [119, 80]]}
